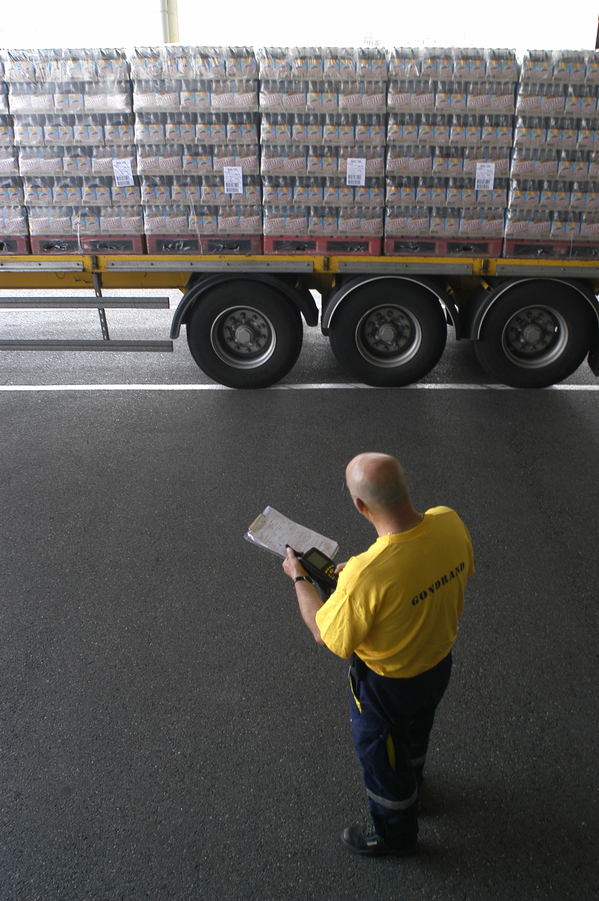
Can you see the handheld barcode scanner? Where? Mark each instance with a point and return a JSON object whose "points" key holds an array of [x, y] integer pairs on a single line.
{"points": [[319, 567]]}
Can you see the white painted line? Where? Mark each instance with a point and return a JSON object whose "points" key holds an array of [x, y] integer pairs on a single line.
{"points": [[307, 387]]}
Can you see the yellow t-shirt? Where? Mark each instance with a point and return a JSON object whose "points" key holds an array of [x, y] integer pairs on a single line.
{"points": [[397, 605]]}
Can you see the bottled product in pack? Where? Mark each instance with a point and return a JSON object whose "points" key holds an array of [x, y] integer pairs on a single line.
{"points": [[283, 220], [11, 191], [13, 221]]}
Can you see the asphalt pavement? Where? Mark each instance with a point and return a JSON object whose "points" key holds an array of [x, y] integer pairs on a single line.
{"points": [[169, 728]]}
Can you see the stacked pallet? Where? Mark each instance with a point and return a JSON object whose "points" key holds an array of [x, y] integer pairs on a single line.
{"points": [[322, 142], [554, 197], [14, 229], [450, 120], [73, 127], [196, 136], [201, 150]]}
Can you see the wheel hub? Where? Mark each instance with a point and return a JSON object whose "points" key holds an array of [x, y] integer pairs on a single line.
{"points": [[243, 337], [387, 330], [245, 332], [531, 332]]}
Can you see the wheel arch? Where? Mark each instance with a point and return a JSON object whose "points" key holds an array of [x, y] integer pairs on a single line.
{"points": [[487, 299], [298, 295], [333, 302]]}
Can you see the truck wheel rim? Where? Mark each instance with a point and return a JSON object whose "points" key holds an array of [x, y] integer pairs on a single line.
{"points": [[388, 336], [535, 337], [243, 337]]}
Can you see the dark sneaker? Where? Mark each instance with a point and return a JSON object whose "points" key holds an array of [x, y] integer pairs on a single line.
{"points": [[364, 840]]}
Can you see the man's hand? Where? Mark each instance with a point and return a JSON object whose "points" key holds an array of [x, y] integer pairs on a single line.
{"points": [[291, 565], [339, 567], [308, 600]]}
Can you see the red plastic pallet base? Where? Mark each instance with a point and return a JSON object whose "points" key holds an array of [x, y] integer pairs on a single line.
{"points": [[443, 247], [335, 246], [551, 250], [204, 244], [133, 244], [14, 245]]}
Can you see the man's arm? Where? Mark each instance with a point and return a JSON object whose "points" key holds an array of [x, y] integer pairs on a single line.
{"points": [[307, 596]]}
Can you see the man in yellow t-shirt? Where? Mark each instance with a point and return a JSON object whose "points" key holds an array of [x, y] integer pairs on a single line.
{"points": [[395, 612]]}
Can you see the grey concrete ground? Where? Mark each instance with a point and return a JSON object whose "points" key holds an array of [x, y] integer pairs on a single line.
{"points": [[169, 728]]}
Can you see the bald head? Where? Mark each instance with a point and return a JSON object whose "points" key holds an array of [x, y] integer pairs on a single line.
{"points": [[378, 480]]}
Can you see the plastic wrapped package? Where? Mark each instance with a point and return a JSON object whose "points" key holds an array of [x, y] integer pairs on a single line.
{"points": [[336, 63], [411, 96], [125, 220], [149, 96], [374, 158], [589, 226], [107, 97], [47, 220], [180, 128], [125, 195], [50, 191], [409, 221], [527, 224], [65, 65], [444, 222], [76, 97], [183, 220], [285, 160], [168, 220], [11, 191], [245, 157], [286, 220], [19, 65], [481, 223], [175, 62], [234, 96], [7, 134], [65, 130], [410, 160], [455, 63], [159, 159], [242, 128], [323, 221], [206, 191], [13, 221], [362, 96], [242, 220], [366, 221], [281, 190], [405, 63], [281, 97]]}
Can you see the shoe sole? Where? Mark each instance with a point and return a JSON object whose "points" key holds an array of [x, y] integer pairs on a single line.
{"points": [[379, 852]]}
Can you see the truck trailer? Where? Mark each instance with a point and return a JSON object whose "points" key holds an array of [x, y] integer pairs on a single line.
{"points": [[412, 189]]}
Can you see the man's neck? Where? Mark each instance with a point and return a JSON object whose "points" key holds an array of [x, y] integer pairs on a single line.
{"points": [[395, 525]]}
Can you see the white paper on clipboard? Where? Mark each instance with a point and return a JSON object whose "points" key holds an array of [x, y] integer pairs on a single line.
{"points": [[272, 531]]}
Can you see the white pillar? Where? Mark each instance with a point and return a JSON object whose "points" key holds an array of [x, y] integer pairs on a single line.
{"points": [[169, 17]]}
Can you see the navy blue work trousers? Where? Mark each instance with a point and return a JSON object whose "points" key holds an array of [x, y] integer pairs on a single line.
{"points": [[391, 721]]}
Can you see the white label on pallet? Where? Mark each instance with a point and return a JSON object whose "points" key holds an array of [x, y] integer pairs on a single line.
{"points": [[485, 176], [356, 172], [123, 174], [233, 179]]}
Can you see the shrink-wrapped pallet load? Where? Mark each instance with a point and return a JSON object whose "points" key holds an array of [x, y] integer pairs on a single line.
{"points": [[73, 135], [449, 139], [322, 142], [554, 196], [197, 140]]}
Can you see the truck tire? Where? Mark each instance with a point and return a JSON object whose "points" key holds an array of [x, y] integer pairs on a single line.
{"points": [[388, 333], [536, 335], [244, 334]]}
